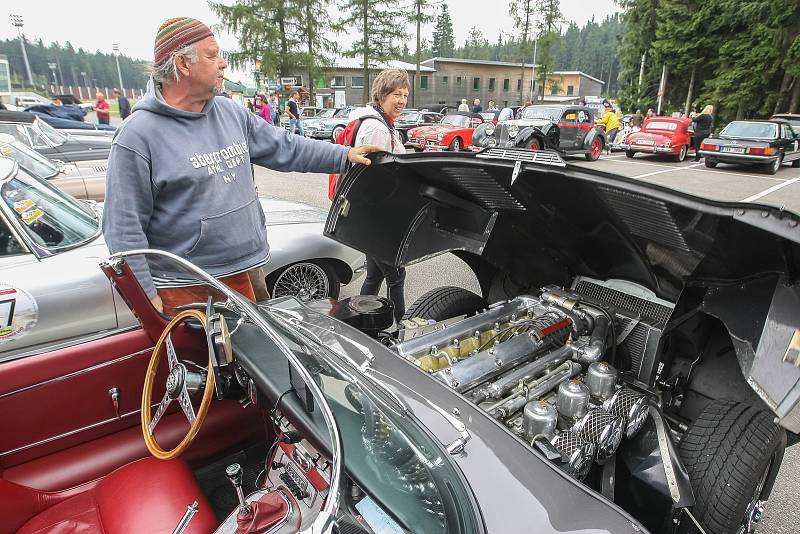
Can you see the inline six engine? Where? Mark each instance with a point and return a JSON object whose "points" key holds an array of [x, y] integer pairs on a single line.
{"points": [[536, 363]]}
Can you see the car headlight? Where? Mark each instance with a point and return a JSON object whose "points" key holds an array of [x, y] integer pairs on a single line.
{"points": [[489, 130], [440, 136], [513, 130], [491, 142]]}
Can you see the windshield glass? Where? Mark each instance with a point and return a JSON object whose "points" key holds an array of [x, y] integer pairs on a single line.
{"points": [[542, 112], [397, 465], [325, 114], [51, 133], [456, 120], [51, 219], [28, 159], [661, 125], [753, 130], [342, 112], [408, 116]]}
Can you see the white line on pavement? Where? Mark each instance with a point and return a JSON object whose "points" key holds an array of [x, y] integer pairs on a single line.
{"points": [[613, 157], [772, 189], [671, 169], [756, 176]]}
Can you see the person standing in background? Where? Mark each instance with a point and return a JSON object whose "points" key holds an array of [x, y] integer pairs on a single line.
{"points": [[463, 106], [293, 110], [124, 104], [703, 124], [101, 107], [273, 106]]}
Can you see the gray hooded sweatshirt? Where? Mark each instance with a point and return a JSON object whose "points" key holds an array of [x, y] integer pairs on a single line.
{"points": [[182, 182]]}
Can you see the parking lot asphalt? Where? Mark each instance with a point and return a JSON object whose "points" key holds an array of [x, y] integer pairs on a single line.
{"points": [[726, 182]]}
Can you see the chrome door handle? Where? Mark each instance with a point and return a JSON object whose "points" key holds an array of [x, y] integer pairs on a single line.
{"points": [[114, 394]]}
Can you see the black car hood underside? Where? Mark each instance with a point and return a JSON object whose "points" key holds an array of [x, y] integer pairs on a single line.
{"points": [[555, 222]]}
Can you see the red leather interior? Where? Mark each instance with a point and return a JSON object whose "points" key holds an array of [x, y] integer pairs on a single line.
{"points": [[146, 496], [226, 425], [264, 514]]}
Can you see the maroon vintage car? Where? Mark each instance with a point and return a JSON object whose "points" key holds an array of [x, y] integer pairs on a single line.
{"points": [[661, 135]]}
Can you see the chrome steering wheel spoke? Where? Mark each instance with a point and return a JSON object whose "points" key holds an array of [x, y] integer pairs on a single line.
{"points": [[162, 407], [172, 357], [186, 405]]}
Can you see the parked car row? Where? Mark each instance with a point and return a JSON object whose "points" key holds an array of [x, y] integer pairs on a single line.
{"points": [[767, 144]]}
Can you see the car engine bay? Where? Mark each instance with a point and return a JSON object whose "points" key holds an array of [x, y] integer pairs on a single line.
{"points": [[544, 366]]}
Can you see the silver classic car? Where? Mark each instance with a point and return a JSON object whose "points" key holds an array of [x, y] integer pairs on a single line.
{"points": [[50, 246]]}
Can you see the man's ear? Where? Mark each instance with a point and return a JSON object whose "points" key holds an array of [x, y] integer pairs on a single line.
{"points": [[182, 65]]}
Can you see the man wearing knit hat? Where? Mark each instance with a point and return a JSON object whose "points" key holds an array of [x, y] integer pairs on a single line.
{"points": [[180, 178]]}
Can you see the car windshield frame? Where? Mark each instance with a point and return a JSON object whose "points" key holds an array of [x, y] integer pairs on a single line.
{"points": [[653, 125], [542, 112], [325, 114], [40, 209], [29, 159], [409, 116], [460, 121], [341, 112], [51, 134], [730, 130]]}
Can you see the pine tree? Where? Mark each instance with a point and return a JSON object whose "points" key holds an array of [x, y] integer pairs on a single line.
{"points": [[522, 12], [444, 41], [547, 40], [313, 30], [419, 16], [267, 35], [379, 34]]}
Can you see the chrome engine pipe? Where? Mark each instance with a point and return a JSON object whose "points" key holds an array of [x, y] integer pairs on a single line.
{"points": [[536, 389], [421, 345], [507, 382], [596, 347]]}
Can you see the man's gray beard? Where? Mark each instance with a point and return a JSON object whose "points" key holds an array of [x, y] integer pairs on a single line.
{"points": [[217, 91]]}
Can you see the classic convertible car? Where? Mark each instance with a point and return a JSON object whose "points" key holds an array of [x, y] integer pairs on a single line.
{"points": [[412, 118], [454, 133], [50, 244], [660, 135], [564, 129], [616, 319]]}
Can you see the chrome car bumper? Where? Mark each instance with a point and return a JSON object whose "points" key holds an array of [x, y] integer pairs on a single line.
{"points": [[430, 145], [727, 157], [648, 148]]}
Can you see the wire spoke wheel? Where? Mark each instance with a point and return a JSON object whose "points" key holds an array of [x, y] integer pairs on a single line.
{"points": [[305, 280]]}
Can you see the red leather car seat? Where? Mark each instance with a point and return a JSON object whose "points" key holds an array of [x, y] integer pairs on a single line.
{"points": [[145, 496]]}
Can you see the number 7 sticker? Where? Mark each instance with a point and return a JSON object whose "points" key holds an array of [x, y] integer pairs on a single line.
{"points": [[19, 313]]}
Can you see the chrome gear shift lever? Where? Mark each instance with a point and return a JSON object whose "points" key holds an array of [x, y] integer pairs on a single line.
{"points": [[234, 474]]}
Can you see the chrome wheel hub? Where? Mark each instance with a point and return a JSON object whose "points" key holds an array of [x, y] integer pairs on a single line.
{"points": [[306, 281]]}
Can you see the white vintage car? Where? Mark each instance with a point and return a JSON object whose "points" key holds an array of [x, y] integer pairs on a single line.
{"points": [[52, 291]]}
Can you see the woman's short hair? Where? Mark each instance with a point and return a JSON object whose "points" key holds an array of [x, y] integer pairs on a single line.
{"points": [[708, 110], [387, 82]]}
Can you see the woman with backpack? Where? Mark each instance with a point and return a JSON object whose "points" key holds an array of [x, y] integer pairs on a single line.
{"points": [[376, 127]]}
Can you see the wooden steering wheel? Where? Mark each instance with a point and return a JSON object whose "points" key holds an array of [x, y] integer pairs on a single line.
{"points": [[181, 382]]}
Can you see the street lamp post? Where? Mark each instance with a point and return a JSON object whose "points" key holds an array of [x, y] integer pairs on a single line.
{"points": [[16, 21], [115, 46], [53, 69]]}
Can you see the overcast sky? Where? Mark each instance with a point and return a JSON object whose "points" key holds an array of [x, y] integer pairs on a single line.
{"points": [[133, 25]]}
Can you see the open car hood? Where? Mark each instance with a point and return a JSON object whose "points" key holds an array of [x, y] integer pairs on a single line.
{"points": [[531, 225]]}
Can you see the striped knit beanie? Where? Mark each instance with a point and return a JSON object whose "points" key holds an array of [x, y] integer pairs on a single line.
{"points": [[176, 33]]}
